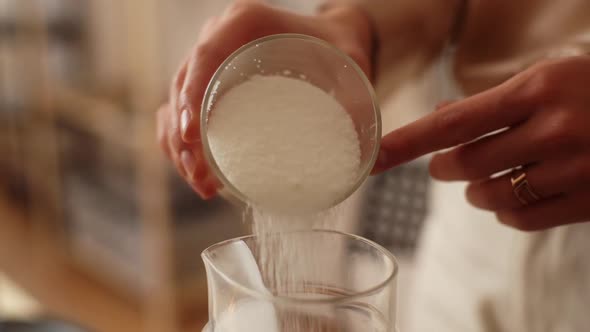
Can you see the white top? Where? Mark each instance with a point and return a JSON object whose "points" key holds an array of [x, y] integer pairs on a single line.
{"points": [[475, 274]]}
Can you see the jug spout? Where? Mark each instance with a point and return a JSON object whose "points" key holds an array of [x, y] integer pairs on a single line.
{"points": [[233, 263], [237, 294]]}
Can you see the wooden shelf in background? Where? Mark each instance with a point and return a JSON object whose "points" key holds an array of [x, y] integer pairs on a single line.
{"points": [[62, 290], [51, 278], [102, 118]]}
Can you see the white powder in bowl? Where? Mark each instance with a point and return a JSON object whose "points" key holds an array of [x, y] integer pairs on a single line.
{"points": [[285, 144]]}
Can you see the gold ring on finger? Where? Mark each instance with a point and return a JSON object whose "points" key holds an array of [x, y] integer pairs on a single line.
{"points": [[522, 188]]}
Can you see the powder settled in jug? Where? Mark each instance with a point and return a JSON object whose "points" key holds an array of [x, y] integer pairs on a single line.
{"points": [[259, 316], [285, 144]]}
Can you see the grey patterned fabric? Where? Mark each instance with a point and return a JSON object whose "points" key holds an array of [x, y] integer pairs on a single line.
{"points": [[395, 207]]}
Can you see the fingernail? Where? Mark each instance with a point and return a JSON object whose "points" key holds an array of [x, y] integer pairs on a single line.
{"points": [[185, 119], [189, 163]]}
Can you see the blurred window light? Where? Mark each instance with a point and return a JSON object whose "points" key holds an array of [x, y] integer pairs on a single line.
{"points": [[16, 303]]}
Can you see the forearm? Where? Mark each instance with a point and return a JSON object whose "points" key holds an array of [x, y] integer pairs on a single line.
{"points": [[409, 34]]}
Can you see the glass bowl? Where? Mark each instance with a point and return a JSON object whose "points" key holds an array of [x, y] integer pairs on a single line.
{"points": [[310, 59]]}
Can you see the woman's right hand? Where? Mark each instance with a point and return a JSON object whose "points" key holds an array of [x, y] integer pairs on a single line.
{"points": [[346, 27]]}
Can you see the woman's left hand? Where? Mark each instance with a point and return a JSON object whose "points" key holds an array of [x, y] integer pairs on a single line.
{"points": [[538, 120]]}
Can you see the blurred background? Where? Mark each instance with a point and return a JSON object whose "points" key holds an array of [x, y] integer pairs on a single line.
{"points": [[95, 226]]}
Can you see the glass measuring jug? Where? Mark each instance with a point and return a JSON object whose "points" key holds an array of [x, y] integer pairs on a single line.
{"points": [[351, 286]]}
